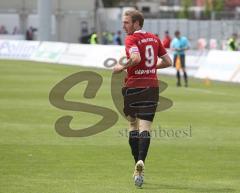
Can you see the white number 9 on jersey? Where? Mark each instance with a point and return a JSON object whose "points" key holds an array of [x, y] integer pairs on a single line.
{"points": [[149, 55]]}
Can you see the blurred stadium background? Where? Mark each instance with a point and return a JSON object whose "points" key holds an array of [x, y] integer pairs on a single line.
{"points": [[42, 42], [207, 19]]}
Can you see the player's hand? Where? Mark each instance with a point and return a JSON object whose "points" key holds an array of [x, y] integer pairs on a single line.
{"points": [[118, 68]]}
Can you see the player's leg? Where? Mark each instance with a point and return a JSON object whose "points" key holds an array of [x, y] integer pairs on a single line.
{"points": [[145, 116], [147, 103], [134, 144], [133, 129], [144, 138], [134, 137], [178, 78], [185, 77], [177, 66], [133, 123], [144, 142], [184, 70]]}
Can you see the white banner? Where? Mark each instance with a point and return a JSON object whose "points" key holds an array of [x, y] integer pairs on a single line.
{"points": [[215, 65], [220, 65], [17, 49], [91, 55], [49, 52]]}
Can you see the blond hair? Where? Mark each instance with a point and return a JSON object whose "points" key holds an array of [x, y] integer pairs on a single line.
{"points": [[136, 16]]}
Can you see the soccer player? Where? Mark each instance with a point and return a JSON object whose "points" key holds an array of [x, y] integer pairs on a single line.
{"points": [[167, 40], [179, 44], [141, 90]]}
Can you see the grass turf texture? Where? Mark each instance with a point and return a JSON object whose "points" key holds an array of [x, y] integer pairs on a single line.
{"points": [[35, 159]]}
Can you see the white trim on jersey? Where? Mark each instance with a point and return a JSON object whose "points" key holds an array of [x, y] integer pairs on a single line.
{"points": [[134, 49], [140, 31]]}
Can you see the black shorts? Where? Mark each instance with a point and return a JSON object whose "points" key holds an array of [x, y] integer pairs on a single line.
{"points": [[140, 102], [182, 59]]}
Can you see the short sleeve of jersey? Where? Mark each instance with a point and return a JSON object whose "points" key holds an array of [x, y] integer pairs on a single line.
{"points": [[161, 50], [131, 46], [185, 42]]}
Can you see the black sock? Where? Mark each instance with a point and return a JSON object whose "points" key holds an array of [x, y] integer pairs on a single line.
{"points": [[185, 78], [178, 78], [133, 142], [144, 142]]}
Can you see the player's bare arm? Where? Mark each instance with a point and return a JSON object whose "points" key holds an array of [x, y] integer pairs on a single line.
{"points": [[164, 62], [134, 59]]}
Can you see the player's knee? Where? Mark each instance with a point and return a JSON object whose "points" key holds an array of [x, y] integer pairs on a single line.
{"points": [[144, 125], [133, 124]]}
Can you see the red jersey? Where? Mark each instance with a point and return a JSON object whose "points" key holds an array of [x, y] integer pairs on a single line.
{"points": [[150, 48], [167, 41]]}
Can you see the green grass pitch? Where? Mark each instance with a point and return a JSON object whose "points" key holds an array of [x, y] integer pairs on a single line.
{"points": [[35, 159]]}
